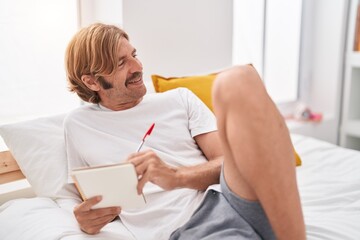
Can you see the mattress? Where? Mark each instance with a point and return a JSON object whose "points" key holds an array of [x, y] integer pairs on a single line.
{"points": [[328, 180]]}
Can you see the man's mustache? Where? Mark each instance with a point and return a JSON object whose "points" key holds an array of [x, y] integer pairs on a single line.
{"points": [[133, 76]]}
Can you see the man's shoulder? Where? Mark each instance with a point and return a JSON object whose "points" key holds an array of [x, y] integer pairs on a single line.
{"points": [[170, 97], [179, 92], [80, 112], [84, 109]]}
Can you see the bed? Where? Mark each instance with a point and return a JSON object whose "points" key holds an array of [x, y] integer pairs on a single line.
{"points": [[328, 180]]}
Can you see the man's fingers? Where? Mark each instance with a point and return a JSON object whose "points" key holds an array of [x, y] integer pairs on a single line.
{"points": [[136, 155], [138, 158], [102, 220], [101, 212], [89, 203], [93, 220], [132, 155], [141, 168], [144, 179], [94, 227]]}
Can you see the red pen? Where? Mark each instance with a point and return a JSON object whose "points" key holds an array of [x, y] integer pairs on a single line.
{"points": [[146, 134]]}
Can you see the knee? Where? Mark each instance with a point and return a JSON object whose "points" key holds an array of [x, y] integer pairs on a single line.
{"points": [[239, 83]]}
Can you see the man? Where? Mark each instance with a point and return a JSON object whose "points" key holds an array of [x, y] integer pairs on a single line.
{"points": [[183, 156]]}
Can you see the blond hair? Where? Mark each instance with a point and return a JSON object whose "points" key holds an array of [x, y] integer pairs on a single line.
{"points": [[92, 51]]}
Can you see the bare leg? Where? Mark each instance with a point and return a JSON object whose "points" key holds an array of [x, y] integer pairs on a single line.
{"points": [[259, 159]]}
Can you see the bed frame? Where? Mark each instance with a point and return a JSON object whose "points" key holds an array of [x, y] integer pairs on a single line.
{"points": [[9, 169], [13, 183]]}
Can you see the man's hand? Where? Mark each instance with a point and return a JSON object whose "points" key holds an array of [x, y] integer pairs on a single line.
{"points": [[92, 221], [150, 168]]}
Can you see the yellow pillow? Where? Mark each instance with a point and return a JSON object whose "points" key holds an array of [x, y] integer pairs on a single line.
{"points": [[297, 159], [199, 85]]}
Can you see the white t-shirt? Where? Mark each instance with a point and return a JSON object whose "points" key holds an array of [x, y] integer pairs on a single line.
{"points": [[96, 135]]}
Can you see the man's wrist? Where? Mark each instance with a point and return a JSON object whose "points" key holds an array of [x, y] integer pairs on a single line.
{"points": [[180, 179]]}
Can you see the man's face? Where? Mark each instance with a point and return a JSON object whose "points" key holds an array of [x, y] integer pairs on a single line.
{"points": [[125, 87]]}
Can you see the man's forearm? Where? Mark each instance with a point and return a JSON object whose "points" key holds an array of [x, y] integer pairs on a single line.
{"points": [[200, 176]]}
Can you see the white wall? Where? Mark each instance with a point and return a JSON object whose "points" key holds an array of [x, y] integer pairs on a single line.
{"points": [[105, 11], [175, 38], [172, 37], [184, 37]]}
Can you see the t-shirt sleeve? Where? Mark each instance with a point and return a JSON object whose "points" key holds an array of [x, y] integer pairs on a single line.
{"points": [[201, 119]]}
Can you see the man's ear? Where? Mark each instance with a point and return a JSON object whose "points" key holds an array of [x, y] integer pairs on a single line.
{"points": [[90, 82]]}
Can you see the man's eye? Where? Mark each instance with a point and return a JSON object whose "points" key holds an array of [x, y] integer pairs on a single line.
{"points": [[120, 63], [135, 55]]}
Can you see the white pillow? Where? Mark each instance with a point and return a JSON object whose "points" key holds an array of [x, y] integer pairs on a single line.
{"points": [[39, 149]]}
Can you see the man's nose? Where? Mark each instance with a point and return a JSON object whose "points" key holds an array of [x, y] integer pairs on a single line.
{"points": [[136, 65]]}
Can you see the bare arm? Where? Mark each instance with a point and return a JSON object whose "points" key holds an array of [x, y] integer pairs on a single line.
{"points": [[152, 169], [201, 176]]}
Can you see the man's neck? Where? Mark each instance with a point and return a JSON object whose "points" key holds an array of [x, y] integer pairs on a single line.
{"points": [[120, 106]]}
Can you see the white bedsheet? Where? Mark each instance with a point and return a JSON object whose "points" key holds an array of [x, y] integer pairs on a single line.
{"points": [[329, 183], [42, 218]]}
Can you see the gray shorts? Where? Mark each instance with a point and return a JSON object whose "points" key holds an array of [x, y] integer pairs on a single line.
{"points": [[226, 216]]}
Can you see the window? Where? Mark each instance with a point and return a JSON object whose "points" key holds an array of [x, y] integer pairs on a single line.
{"points": [[268, 34], [32, 45]]}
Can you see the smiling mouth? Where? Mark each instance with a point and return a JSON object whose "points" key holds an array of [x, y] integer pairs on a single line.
{"points": [[134, 81]]}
